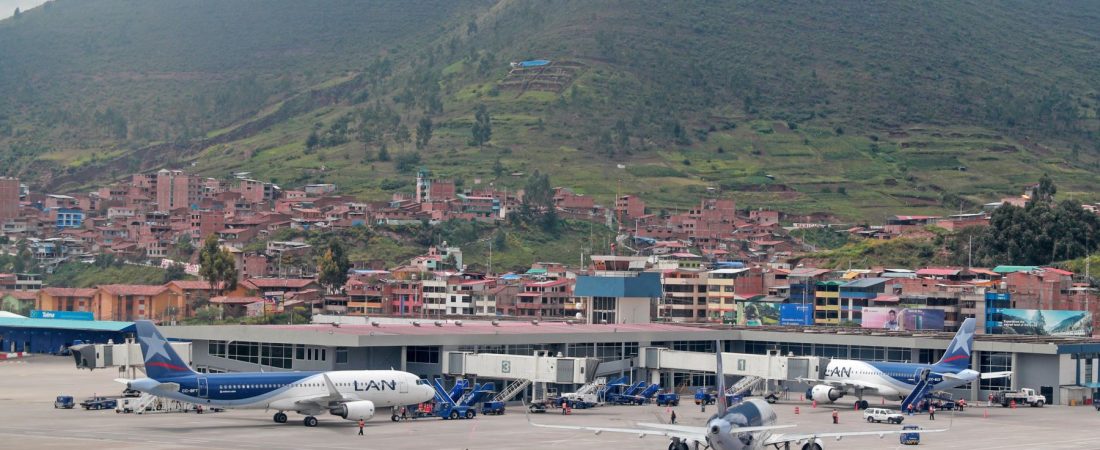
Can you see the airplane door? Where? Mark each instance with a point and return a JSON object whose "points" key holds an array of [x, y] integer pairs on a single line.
{"points": [[403, 387], [203, 388]]}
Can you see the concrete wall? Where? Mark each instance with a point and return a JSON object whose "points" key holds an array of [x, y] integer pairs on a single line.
{"points": [[1034, 371]]}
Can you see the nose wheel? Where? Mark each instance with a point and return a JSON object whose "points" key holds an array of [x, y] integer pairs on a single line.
{"points": [[280, 417], [310, 421]]}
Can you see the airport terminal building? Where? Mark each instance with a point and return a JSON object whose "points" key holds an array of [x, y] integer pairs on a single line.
{"points": [[1063, 369]]}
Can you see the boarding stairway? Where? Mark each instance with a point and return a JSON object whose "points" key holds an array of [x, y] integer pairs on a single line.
{"points": [[920, 391], [747, 383], [151, 404], [511, 390]]}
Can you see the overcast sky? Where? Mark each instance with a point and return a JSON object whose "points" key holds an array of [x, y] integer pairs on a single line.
{"points": [[7, 7]]}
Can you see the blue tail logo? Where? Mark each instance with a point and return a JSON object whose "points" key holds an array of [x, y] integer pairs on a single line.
{"points": [[957, 357], [161, 361]]}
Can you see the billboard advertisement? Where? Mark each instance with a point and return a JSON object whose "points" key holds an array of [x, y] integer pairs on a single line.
{"points": [[759, 313], [903, 319], [1045, 322], [796, 314], [65, 315]]}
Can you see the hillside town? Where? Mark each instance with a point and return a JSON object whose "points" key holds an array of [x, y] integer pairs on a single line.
{"points": [[712, 263]]}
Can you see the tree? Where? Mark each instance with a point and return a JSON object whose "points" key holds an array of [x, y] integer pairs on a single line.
{"points": [[217, 266], [313, 140], [423, 132], [184, 246], [383, 154], [482, 130], [17, 13], [208, 313], [174, 272], [402, 135], [1045, 191], [498, 168], [407, 162], [333, 266]]}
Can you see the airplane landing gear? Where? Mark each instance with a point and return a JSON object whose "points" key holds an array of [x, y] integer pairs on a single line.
{"points": [[280, 417], [678, 445], [310, 421]]}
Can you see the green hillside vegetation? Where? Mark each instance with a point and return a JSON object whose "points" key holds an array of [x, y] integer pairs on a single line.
{"points": [[80, 275], [858, 109]]}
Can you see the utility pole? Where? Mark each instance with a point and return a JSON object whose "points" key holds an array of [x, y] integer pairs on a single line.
{"points": [[970, 253], [490, 257]]}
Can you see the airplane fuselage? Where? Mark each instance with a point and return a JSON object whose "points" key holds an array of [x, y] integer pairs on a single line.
{"points": [[283, 390], [893, 379]]}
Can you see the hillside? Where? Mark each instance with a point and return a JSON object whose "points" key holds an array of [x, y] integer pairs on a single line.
{"points": [[858, 109]]}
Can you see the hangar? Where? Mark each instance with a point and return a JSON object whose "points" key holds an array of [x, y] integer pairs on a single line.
{"points": [[54, 335]]}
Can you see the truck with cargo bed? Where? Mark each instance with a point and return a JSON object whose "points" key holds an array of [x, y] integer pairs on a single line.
{"points": [[1025, 396]]}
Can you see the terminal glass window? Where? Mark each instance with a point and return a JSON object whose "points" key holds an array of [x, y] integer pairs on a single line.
{"points": [[300, 353], [868, 353], [422, 354], [276, 355], [341, 355], [894, 354], [244, 351], [831, 351], [216, 348], [995, 362]]}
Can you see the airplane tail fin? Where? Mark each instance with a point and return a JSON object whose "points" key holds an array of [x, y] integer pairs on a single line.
{"points": [[957, 356], [720, 377], [161, 360]]}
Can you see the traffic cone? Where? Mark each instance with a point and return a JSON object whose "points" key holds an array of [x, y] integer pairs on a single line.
{"points": [[1012, 404], [814, 404], [796, 410]]}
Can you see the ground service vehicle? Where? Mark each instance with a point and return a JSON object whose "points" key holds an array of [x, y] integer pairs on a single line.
{"points": [[64, 402], [880, 415], [99, 403], [668, 399], [1021, 397], [910, 438], [492, 408]]}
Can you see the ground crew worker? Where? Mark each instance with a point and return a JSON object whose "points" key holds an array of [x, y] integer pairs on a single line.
{"points": [[931, 412], [910, 409], [836, 417], [673, 418], [404, 413], [563, 405], [361, 425]]}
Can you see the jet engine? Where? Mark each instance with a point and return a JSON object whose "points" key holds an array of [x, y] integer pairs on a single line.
{"points": [[826, 394], [363, 409], [815, 445]]}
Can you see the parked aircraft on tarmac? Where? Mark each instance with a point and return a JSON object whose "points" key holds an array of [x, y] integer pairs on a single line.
{"points": [[349, 394], [898, 380], [749, 425]]}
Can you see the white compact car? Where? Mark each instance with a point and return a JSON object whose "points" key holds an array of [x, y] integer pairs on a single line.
{"points": [[882, 415]]}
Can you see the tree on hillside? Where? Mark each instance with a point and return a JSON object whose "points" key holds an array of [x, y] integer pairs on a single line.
{"points": [[1038, 234], [498, 168], [407, 162], [423, 132], [216, 265], [402, 135], [482, 130], [383, 153], [329, 274], [174, 272], [1045, 191]]}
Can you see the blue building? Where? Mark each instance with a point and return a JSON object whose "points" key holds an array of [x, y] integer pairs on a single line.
{"points": [[69, 218], [53, 335], [620, 299], [995, 303]]}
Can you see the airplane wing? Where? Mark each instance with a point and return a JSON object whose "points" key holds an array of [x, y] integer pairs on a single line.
{"points": [[696, 434], [324, 401], [988, 375], [690, 429], [776, 439]]}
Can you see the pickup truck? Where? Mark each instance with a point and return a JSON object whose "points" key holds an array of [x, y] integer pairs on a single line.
{"points": [[1021, 397], [99, 403]]}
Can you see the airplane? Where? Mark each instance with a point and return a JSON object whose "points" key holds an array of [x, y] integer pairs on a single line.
{"points": [[749, 425], [348, 394], [898, 380]]}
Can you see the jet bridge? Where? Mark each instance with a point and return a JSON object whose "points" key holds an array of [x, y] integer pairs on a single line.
{"points": [[125, 356], [539, 368], [768, 367]]}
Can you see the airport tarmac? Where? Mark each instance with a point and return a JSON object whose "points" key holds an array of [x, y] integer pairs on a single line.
{"points": [[28, 420]]}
